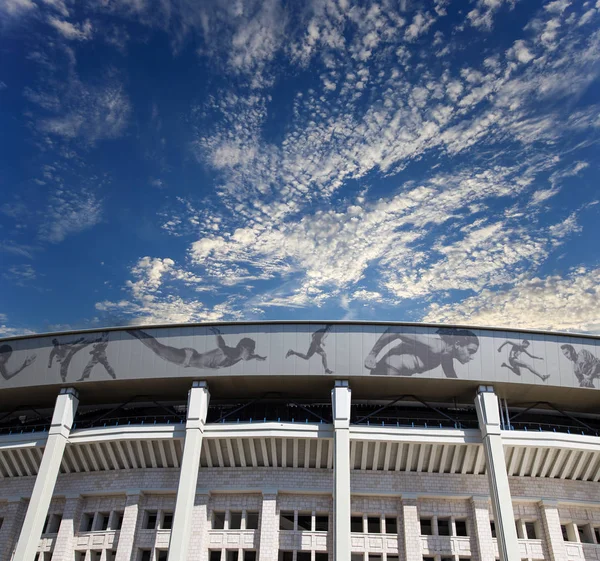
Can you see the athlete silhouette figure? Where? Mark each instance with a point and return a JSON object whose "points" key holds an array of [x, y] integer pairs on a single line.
{"points": [[5, 354], [586, 366], [98, 354], [416, 353], [64, 352], [515, 363], [221, 357], [317, 342]]}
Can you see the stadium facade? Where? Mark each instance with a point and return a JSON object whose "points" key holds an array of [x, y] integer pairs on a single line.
{"points": [[300, 442]]}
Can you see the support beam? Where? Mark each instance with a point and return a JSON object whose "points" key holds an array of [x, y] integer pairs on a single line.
{"points": [[341, 400], [190, 464], [58, 435], [488, 414]]}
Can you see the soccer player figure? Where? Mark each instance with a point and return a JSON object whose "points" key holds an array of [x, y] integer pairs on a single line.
{"points": [[515, 363], [586, 366], [221, 357], [5, 354], [417, 353], [64, 352], [317, 342], [98, 355]]}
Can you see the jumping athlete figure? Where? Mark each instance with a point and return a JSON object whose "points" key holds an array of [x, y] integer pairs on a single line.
{"points": [[417, 353], [317, 342], [586, 366], [5, 353], [64, 352], [514, 359], [221, 357], [98, 354]]}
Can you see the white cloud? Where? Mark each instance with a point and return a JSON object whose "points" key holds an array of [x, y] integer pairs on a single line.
{"points": [[70, 31], [483, 14], [420, 24], [153, 299], [9, 331], [15, 8], [90, 113], [69, 212], [568, 303]]}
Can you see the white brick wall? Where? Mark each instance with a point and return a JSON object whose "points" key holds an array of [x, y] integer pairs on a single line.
{"points": [[270, 490]]}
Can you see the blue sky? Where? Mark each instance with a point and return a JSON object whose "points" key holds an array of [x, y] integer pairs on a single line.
{"points": [[178, 161]]}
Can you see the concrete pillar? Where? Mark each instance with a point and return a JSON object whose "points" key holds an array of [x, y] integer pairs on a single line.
{"points": [[13, 514], [411, 528], [63, 546], [198, 399], [60, 428], [269, 527], [129, 526], [341, 397], [482, 542], [554, 539], [198, 550], [488, 414]]}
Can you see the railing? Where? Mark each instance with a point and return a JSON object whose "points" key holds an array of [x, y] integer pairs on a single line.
{"points": [[553, 427]]}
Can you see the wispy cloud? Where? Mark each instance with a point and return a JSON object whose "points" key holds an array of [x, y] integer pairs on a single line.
{"points": [[9, 331], [69, 212], [71, 31], [568, 303], [153, 299]]}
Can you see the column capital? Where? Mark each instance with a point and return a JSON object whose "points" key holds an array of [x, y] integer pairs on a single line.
{"points": [[69, 391], [341, 398], [549, 503], [481, 501]]}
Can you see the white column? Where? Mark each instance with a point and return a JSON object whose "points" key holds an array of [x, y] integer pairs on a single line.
{"points": [[188, 476], [198, 550], [129, 526], [13, 519], [411, 528], [62, 421], [482, 541], [488, 414], [340, 399], [63, 546], [552, 529], [269, 527]]}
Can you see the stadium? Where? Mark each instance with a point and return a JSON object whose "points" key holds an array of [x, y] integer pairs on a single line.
{"points": [[300, 441]]}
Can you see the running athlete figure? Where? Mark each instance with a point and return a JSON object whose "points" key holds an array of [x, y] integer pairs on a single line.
{"points": [[5, 353], [586, 366], [317, 342], [221, 357], [64, 352], [514, 359], [417, 353], [98, 354]]}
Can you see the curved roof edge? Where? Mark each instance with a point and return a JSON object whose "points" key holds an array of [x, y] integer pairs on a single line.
{"points": [[300, 322]]}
